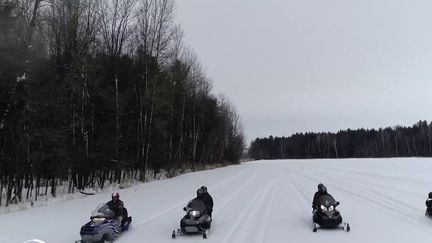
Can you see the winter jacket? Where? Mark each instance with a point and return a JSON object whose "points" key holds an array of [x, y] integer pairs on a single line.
{"points": [[208, 201], [316, 197], [429, 203], [117, 207]]}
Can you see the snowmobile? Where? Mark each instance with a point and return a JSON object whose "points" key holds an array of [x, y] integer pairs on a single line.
{"points": [[326, 216], [103, 226], [196, 220], [429, 205]]}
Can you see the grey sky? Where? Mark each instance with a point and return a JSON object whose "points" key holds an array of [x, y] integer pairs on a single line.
{"points": [[315, 65]]}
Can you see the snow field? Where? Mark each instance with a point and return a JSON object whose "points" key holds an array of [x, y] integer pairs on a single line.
{"points": [[261, 201]]}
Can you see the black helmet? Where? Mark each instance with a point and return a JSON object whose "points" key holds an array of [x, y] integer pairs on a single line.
{"points": [[204, 188], [322, 188], [200, 192], [430, 194], [115, 196]]}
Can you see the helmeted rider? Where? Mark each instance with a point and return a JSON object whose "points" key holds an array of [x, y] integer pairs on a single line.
{"points": [[322, 190], [429, 203], [203, 194], [117, 206]]}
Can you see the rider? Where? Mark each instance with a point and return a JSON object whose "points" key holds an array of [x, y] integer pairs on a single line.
{"points": [[203, 194], [429, 203], [322, 190], [117, 206]]}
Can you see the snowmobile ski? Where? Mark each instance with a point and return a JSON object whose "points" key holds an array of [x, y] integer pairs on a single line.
{"points": [[344, 226]]}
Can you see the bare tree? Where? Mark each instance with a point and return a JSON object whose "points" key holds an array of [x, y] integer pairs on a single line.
{"points": [[174, 62], [153, 39], [73, 30], [233, 134], [53, 117], [116, 24], [117, 21]]}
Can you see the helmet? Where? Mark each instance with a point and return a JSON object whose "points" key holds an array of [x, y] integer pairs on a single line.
{"points": [[204, 188], [200, 192], [322, 188], [430, 194], [115, 196]]}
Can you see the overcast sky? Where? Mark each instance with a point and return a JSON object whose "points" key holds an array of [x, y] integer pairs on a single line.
{"points": [[315, 65]]}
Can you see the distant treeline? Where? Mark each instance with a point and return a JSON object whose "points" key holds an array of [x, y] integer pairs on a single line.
{"points": [[361, 143], [95, 91]]}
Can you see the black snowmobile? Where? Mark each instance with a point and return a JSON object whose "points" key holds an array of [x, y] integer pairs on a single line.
{"points": [[429, 205], [326, 216], [196, 220]]}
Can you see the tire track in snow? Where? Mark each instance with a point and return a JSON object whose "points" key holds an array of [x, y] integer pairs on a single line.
{"points": [[264, 224], [232, 196], [235, 193], [237, 225], [179, 204], [396, 212], [362, 183], [351, 178], [301, 197], [371, 191], [392, 205], [299, 194], [374, 175]]}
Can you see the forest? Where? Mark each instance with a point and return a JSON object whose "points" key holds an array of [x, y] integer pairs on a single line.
{"points": [[386, 142], [93, 92]]}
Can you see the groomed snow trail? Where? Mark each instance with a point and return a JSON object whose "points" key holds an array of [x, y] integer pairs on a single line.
{"points": [[258, 202]]}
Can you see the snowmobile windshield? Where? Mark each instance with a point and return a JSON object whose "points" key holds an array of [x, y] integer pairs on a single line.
{"points": [[326, 200], [103, 211], [197, 205]]}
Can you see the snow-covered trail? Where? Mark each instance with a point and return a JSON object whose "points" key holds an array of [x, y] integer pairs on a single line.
{"points": [[262, 201]]}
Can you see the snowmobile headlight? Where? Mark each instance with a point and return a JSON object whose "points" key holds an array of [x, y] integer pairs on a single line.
{"points": [[98, 220], [323, 208], [194, 213], [331, 208]]}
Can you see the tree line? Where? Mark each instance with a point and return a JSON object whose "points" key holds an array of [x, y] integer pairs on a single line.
{"points": [[396, 141], [95, 91]]}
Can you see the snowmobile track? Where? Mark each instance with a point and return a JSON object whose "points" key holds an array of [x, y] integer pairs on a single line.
{"points": [[179, 204], [231, 236], [371, 199], [264, 223]]}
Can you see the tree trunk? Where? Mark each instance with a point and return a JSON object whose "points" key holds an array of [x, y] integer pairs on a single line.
{"points": [[46, 187], [335, 148], [194, 131], [396, 145], [415, 148], [53, 187], [2, 156], [8, 191], [37, 188], [429, 140], [171, 118], [117, 120], [408, 148], [181, 139], [1, 191], [141, 128], [149, 132]]}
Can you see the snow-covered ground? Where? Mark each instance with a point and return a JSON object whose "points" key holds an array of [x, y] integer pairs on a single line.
{"points": [[263, 201]]}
